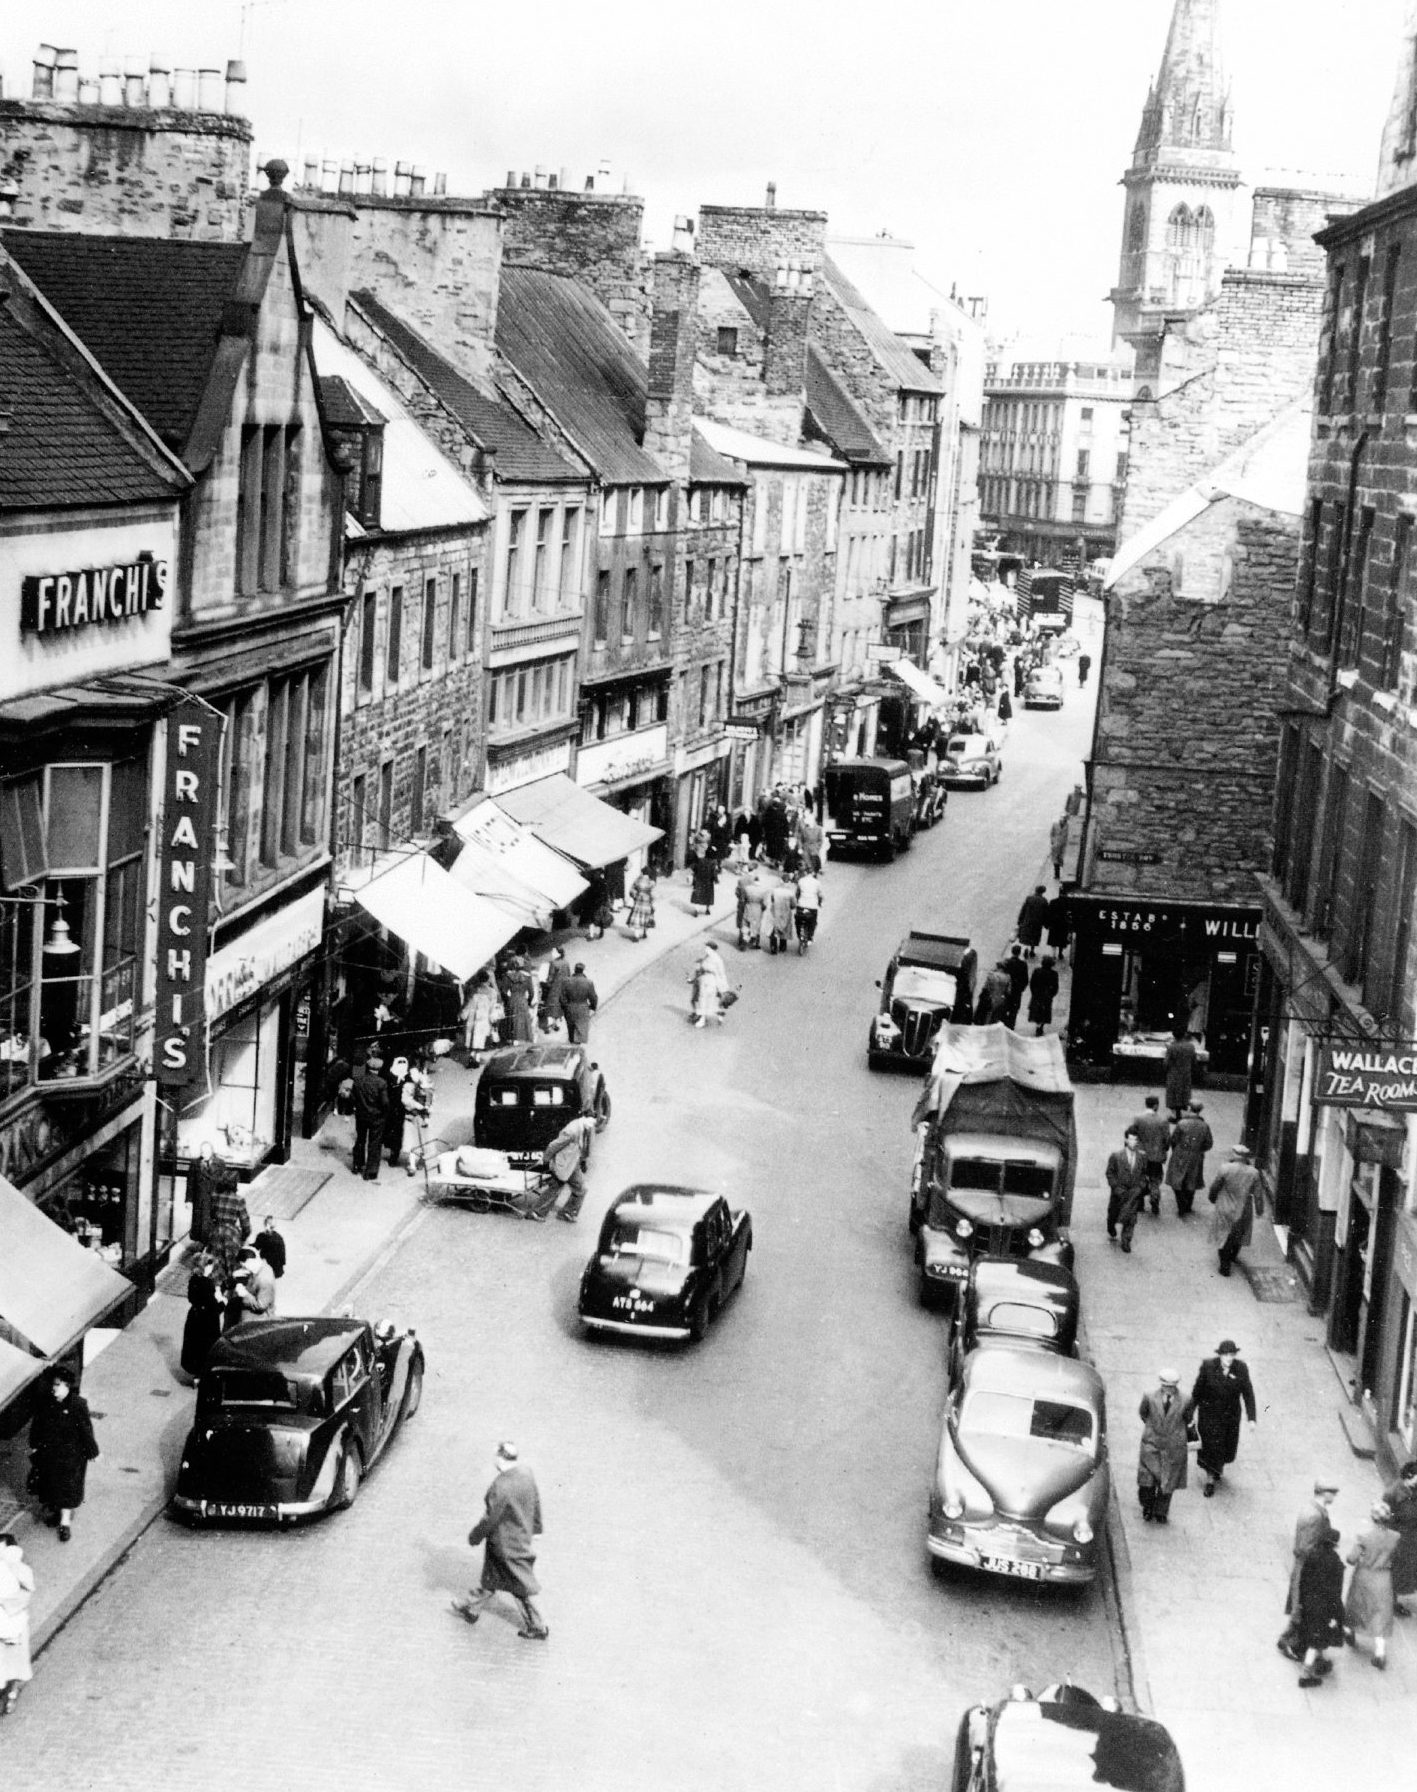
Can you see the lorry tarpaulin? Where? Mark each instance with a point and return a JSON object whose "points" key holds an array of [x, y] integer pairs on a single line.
{"points": [[993, 1080]]}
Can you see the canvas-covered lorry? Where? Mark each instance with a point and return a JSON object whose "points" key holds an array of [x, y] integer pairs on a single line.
{"points": [[995, 1156]]}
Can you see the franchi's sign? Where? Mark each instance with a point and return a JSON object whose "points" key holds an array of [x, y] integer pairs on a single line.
{"points": [[1368, 1076], [92, 596], [184, 895]]}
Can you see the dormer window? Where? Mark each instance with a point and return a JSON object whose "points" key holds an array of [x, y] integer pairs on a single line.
{"points": [[727, 340], [369, 477]]}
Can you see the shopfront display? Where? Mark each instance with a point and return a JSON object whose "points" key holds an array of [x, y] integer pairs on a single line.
{"points": [[1144, 970]]}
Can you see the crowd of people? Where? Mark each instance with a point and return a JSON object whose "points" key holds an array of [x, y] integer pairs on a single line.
{"points": [[234, 1274]]}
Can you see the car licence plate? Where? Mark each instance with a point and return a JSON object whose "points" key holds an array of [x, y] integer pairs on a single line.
{"points": [[224, 1509], [1006, 1565]]}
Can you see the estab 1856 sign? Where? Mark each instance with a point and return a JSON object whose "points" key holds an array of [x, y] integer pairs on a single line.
{"points": [[1368, 1076], [184, 891]]}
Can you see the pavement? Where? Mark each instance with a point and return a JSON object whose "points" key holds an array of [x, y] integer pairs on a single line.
{"points": [[1199, 1602]]}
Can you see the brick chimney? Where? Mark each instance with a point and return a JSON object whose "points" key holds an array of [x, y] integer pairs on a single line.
{"points": [[669, 407], [789, 315], [591, 234]]}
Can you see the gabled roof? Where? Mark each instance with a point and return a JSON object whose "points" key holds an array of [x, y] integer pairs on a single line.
{"points": [[69, 438], [707, 466], [569, 350], [906, 369], [837, 418], [149, 310], [488, 418], [421, 488], [758, 451], [752, 294]]}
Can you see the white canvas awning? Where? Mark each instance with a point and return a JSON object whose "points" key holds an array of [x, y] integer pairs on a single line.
{"points": [[920, 685], [500, 857], [52, 1289], [577, 824], [17, 1370], [417, 900]]}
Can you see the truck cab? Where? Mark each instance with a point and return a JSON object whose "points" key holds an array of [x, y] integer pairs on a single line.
{"points": [[871, 804], [977, 1194]]}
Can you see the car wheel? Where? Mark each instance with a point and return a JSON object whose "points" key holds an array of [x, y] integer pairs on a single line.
{"points": [[917, 1219], [889, 849], [413, 1393], [602, 1108], [351, 1474], [699, 1319]]}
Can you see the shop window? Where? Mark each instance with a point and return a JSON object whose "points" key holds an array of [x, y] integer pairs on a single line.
{"points": [[18, 918], [22, 850], [239, 1116]]}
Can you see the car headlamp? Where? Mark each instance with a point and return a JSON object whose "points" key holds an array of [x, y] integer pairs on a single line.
{"points": [[954, 1506], [1035, 1237], [964, 1229], [1082, 1531]]}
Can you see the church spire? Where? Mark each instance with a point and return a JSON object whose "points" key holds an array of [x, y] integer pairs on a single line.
{"points": [[1188, 107]]}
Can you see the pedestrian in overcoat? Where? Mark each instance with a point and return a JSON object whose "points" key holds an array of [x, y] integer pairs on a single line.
{"points": [[1185, 1172], [371, 1114], [1312, 1525], [1369, 1607], [578, 1002], [1031, 918], [1057, 846], [1237, 1197], [16, 1591], [1060, 925], [62, 1446], [1017, 973], [962, 1014], [1222, 1388], [704, 868], [202, 1176], [993, 1004], [1042, 990], [1161, 1465], [507, 1531], [549, 1014], [519, 997], [231, 1224], [1400, 1498], [1180, 1070], [1320, 1608], [202, 1326]]}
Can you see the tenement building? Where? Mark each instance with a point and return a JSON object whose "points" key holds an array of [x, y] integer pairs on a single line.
{"points": [[1335, 1105]]}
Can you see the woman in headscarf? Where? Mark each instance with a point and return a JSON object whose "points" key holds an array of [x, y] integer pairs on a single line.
{"points": [[710, 980]]}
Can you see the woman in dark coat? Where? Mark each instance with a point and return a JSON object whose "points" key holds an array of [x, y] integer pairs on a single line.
{"points": [[962, 1014], [1059, 925], [1222, 1388], [202, 1177], [1400, 1498], [720, 830], [705, 869], [1042, 988], [518, 994], [1320, 1624], [61, 1448], [203, 1325]]}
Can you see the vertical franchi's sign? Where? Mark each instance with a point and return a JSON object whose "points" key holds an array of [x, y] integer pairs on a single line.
{"points": [[189, 812]]}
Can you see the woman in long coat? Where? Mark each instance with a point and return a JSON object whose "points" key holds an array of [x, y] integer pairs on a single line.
{"points": [[520, 992], [705, 870], [61, 1448], [1401, 1500], [1320, 1607], [480, 1014], [203, 1175], [1369, 1606], [1221, 1389], [16, 1591], [203, 1323], [710, 980], [1161, 1466], [641, 915], [1042, 989]]}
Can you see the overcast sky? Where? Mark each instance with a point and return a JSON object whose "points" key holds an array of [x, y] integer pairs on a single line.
{"points": [[991, 135]]}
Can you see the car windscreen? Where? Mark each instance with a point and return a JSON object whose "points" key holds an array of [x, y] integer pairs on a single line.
{"points": [[1020, 1320], [1060, 1424], [249, 1387], [917, 983], [652, 1243], [967, 746], [1024, 1177]]}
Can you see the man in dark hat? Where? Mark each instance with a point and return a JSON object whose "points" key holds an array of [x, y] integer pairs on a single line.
{"points": [[1222, 1388], [371, 1114], [1312, 1527], [1237, 1197]]}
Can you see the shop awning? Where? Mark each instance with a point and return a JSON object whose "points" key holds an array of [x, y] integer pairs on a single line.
{"points": [[417, 900], [501, 857], [17, 1370], [920, 685], [51, 1288], [577, 824]]}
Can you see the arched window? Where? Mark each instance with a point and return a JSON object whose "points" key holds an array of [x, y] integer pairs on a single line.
{"points": [[1189, 239]]}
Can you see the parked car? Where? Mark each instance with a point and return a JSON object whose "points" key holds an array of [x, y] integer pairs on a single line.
{"points": [[291, 1414], [917, 997], [1008, 1301], [972, 761], [870, 803], [1064, 1738], [667, 1260], [1044, 688], [1021, 1480], [527, 1093]]}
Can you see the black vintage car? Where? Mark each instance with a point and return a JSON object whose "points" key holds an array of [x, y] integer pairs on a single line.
{"points": [[667, 1260], [527, 1093], [291, 1413], [1063, 1738], [1010, 1300], [917, 995]]}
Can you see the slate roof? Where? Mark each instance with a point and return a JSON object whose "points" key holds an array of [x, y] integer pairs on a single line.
{"points": [[344, 408], [752, 294], [487, 417], [708, 467], [66, 440], [905, 368], [837, 418], [148, 310], [569, 350]]}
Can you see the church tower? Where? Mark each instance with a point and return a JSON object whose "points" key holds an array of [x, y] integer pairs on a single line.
{"points": [[1182, 183]]}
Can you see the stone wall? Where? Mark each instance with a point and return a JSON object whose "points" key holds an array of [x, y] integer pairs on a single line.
{"points": [[594, 237], [106, 170], [1187, 729], [756, 238], [669, 404]]}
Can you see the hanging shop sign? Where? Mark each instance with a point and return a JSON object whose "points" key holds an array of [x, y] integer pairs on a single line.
{"points": [[741, 728], [91, 596], [1126, 855], [1368, 1076], [263, 952], [184, 891]]}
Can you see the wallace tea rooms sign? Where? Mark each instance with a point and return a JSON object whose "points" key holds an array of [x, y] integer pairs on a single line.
{"points": [[1368, 1076]]}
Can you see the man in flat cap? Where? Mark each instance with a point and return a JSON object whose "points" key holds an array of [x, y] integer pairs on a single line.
{"points": [[1236, 1196], [1161, 1467], [507, 1530], [1311, 1529]]}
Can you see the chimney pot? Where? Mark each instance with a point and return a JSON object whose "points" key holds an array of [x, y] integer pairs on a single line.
{"points": [[780, 277], [110, 82], [525, 182], [417, 180], [235, 81], [311, 177], [401, 178], [159, 82], [66, 75], [511, 177], [135, 84], [346, 177], [565, 177], [590, 183], [551, 186], [329, 174], [379, 176], [363, 173], [771, 203], [440, 186], [184, 89], [210, 90], [88, 91]]}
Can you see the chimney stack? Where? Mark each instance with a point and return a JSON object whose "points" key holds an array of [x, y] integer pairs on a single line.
{"points": [[770, 204], [789, 314], [673, 338]]}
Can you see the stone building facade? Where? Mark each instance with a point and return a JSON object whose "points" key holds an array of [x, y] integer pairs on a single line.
{"points": [[592, 233]]}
